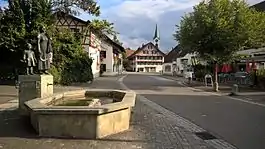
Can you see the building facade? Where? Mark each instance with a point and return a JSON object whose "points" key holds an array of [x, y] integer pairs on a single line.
{"points": [[147, 58], [92, 43], [178, 62], [111, 57], [169, 65]]}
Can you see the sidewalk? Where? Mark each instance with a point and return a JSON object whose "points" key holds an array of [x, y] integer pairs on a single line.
{"points": [[245, 93], [152, 127], [223, 88]]}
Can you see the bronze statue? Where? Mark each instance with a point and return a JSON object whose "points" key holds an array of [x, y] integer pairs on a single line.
{"points": [[30, 59], [44, 52]]}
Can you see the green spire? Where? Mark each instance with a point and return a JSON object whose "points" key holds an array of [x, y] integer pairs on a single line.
{"points": [[156, 36]]}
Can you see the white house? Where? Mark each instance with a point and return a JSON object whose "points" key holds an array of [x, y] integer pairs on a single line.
{"points": [[178, 62], [94, 49], [169, 65], [111, 57], [90, 42], [105, 53], [147, 58]]}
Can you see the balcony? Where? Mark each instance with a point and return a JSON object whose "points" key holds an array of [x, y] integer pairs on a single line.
{"points": [[149, 60]]}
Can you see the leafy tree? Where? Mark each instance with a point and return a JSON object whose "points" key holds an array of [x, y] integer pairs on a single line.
{"points": [[217, 29], [115, 39], [19, 23], [74, 6]]}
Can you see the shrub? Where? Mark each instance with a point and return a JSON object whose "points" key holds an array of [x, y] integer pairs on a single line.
{"points": [[71, 62]]}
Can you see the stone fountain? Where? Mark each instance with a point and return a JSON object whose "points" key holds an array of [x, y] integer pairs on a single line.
{"points": [[91, 113]]}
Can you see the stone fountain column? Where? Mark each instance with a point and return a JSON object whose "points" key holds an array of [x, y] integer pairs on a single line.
{"points": [[33, 86]]}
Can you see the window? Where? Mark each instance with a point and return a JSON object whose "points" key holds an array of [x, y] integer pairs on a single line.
{"points": [[103, 54], [167, 68], [149, 47], [145, 52], [103, 67], [76, 30]]}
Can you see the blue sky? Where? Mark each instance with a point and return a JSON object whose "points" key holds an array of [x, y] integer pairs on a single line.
{"points": [[135, 19]]}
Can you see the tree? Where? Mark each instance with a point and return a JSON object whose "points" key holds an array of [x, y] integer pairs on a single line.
{"points": [[217, 29], [74, 6], [115, 39], [19, 23]]}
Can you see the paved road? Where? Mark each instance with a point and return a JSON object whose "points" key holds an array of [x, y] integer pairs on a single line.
{"points": [[239, 123]]}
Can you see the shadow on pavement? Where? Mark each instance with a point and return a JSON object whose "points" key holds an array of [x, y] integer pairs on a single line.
{"points": [[14, 125]]}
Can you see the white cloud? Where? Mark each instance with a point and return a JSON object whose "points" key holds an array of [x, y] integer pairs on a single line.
{"points": [[149, 8], [136, 19]]}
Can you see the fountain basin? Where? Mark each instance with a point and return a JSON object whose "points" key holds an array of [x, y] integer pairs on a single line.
{"points": [[51, 119]]}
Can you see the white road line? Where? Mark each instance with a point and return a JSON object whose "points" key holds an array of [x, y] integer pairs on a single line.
{"points": [[161, 79]]}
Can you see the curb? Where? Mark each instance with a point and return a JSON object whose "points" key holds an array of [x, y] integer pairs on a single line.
{"points": [[234, 96], [182, 122]]}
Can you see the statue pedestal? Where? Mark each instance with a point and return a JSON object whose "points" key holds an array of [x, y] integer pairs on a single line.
{"points": [[33, 86]]}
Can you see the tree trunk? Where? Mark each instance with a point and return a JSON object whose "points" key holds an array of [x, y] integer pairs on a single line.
{"points": [[215, 85]]}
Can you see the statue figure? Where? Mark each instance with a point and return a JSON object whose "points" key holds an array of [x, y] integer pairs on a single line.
{"points": [[30, 59], [44, 52]]}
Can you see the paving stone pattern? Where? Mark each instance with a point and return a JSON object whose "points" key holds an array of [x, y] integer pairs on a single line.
{"points": [[152, 127], [149, 129]]}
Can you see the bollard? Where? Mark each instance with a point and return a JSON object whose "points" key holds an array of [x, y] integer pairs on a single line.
{"points": [[234, 90]]}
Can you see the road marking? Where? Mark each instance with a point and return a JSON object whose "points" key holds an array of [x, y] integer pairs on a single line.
{"points": [[186, 124], [161, 79], [182, 122]]}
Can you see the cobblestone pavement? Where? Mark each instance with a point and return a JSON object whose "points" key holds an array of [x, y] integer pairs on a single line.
{"points": [[151, 128], [224, 117]]}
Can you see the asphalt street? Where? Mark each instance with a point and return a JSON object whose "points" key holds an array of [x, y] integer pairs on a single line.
{"points": [[239, 123]]}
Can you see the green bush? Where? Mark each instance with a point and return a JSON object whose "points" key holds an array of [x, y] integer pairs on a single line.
{"points": [[17, 27], [71, 62], [57, 74], [200, 71], [78, 70]]}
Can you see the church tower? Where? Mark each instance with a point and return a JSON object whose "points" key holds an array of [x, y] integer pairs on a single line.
{"points": [[156, 37]]}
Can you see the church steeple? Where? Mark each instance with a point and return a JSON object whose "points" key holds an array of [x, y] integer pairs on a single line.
{"points": [[156, 36]]}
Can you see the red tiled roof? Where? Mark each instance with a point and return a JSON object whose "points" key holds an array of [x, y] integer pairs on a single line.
{"points": [[129, 52]]}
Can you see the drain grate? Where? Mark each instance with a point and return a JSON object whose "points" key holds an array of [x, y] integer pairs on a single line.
{"points": [[205, 135]]}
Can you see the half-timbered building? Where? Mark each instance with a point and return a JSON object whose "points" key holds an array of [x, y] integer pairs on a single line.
{"points": [[148, 57], [104, 51]]}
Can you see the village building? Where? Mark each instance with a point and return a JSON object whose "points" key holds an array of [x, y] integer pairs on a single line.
{"points": [[105, 53], [148, 57], [177, 62]]}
